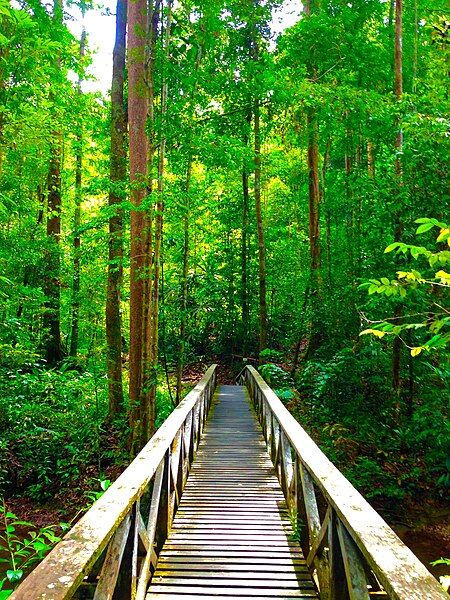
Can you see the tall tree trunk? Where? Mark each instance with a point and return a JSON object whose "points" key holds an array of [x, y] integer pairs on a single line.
{"points": [[77, 218], [314, 196], [52, 318], [186, 235], [244, 255], [184, 283], [245, 306], [138, 153], [260, 229], [117, 173], [398, 226], [159, 222]]}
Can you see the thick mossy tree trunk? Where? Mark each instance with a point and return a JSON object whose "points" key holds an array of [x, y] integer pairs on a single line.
{"points": [[138, 156], [117, 173], [153, 337], [314, 197]]}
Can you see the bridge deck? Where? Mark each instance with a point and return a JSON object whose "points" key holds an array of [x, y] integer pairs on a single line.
{"points": [[231, 536]]}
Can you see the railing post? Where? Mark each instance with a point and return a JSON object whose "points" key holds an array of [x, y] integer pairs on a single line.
{"points": [[162, 524], [338, 580]]}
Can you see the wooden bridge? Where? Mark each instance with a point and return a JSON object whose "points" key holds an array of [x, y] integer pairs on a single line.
{"points": [[218, 505]]}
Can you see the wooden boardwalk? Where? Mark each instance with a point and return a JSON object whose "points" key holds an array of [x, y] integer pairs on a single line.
{"points": [[231, 536]]}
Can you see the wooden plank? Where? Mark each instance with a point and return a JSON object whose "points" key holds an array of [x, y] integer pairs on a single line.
{"points": [[354, 570], [232, 530], [222, 566], [233, 592], [111, 566], [214, 574]]}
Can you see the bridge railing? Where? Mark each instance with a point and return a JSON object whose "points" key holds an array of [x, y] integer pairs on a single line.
{"points": [[112, 551], [352, 553]]}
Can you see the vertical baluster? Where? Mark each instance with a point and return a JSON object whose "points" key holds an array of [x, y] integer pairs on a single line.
{"points": [[135, 553], [187, 447], [111, 566], [353, 565], [314, 526], [268, 433], [275, 445], [338, 581], [162, 526], [300, 508], [287, 470]]}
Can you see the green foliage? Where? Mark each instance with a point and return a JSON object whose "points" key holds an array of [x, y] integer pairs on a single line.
{"points": [[346, 403], [51, 428], [279, 379], [437, 324], [21, 552]]}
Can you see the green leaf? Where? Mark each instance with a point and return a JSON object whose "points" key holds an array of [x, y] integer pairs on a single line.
{"points": [[14, 576], [392, 247], [424, 227], [375, 332]]}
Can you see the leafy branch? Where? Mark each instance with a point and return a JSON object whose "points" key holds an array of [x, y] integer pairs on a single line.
{"points": [[437, 324]]}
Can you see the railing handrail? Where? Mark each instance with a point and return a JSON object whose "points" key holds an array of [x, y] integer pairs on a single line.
{"points": [[61, 572], [399, 571]]}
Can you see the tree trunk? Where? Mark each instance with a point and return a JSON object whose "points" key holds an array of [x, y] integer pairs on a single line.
{"points": [[151, 383], [52, 318], [186, 236], [77, 219], [138, 153], [184, 284], [117, 173], [260, 229], [398, 230], [245, 307]]}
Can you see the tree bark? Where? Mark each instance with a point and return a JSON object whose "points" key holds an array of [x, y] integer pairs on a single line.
{"points": [[245, 307], [52, 316], [117, 173], [398, 227], [186, 241], [77, 218], [151, 383], [184, 284], [138, 153], [260, 229]]}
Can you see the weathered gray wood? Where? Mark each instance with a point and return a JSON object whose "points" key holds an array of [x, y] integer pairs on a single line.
{"points": [[338, 580], [134, 558], [354, 570], [402, 575], [232, 530], [111, 566], [320, 538], [62, 571]]}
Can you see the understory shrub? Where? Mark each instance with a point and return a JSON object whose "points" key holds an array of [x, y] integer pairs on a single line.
{"points": [[51, 428]]}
